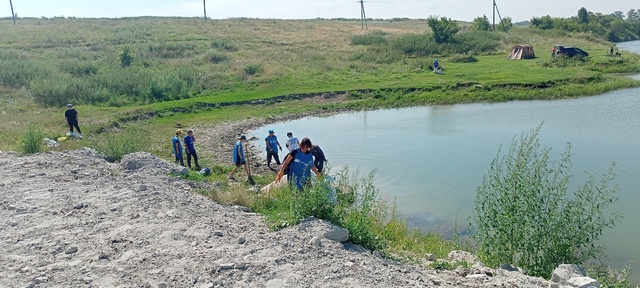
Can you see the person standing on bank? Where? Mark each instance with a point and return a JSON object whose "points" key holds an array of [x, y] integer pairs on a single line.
{"points": [[292, 142], [190, 148], [239, 160], [177, 147], [272, 148], [318, 157], [72, 118], [300, 163]]}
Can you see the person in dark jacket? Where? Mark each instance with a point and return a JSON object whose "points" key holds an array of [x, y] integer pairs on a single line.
{"points": [[318, 157], [72, 118]]}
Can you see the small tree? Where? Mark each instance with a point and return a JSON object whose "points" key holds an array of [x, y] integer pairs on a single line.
{"points": [[443, 29], [506, 23], [522, 214], [126, 56], [481, 23]]}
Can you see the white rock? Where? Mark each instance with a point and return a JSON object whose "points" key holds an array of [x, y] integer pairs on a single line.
{"points": [[583, 282], [564, 272]]}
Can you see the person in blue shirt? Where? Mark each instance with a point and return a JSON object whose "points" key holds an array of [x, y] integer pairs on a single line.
{"points": [[190, 149], [300, 163], [239, 159], [272, 148], [436, 66], [177, 147]]}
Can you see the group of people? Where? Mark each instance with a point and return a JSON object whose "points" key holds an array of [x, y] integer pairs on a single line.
{"points": [[189, 149], [302, 158]]}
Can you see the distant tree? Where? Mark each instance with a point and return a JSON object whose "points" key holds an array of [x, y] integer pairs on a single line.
{"points": [[481, 23], [632, 15], [583, 15], [544, 22], [506, 23], [443, 28], [619, 14]]}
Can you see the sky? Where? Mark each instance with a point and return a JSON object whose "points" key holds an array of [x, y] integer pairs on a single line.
{"points": [[464, 10]]}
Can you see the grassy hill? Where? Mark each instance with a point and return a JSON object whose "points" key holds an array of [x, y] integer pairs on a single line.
{"points": [[116, 69]]}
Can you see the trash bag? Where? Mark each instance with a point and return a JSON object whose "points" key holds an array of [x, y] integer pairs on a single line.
{"points": [[206, 171]]}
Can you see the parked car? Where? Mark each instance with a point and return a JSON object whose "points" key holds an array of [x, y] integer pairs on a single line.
{"points": [[570, 51]]}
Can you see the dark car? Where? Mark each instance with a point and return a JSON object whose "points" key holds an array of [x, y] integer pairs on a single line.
{"points": [[570, 51]]}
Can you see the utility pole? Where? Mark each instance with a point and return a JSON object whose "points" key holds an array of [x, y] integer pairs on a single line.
{"points": [[204, 4], [494, 15], [363, 16], [12, 14], [495, 9]]}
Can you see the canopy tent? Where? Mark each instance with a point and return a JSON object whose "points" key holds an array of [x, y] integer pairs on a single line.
{"points": [[522, 51]]}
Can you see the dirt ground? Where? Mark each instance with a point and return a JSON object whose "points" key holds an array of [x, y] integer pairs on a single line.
{"points": [[71, 219]]}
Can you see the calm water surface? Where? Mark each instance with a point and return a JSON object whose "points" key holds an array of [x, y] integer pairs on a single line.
{"points": [[432, 159]]}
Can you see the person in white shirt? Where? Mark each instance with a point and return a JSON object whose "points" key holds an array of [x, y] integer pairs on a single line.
{"points": [[292, 143]]}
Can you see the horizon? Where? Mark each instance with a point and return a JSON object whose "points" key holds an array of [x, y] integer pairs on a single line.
{"points": [[308, 9]]}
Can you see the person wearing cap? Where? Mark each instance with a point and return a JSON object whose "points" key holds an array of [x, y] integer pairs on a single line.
{"points": [[177, 147], [72, 118], [272, 148], [300, 164], [239, 160], [292, 143], [190, 149]]}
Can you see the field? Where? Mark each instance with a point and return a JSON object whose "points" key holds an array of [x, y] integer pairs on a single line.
{"points": [[118, 69]]}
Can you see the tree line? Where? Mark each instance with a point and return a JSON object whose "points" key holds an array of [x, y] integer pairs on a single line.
{"points": [[614, 27]]}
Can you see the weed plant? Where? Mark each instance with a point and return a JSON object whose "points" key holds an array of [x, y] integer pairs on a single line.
{"points": [[114, 144], [32, 140], [351, 201], [523, 215]]}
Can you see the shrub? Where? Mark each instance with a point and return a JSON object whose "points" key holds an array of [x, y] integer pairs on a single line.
{"points": [[113, 145], [375, 37], [126, 56], [459, 58], [416, 44], [522, 214], [253, 69], [216, 57], [224, 44], [32, 140], [476, 41]]}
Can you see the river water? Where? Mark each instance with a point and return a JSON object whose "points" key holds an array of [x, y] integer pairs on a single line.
{"points": [[430, 160]]}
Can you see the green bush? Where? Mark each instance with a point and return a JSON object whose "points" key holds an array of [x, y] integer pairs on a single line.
{"points": [[459, 58], [113, 145], [216, 57], [126, 56], [476, 42], [224, 44], [416, 44], [523, 215], [253, 69], [375, 37], [32, 140]]}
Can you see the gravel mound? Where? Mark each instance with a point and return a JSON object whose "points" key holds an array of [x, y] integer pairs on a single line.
{"points": [[71, 219]]}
